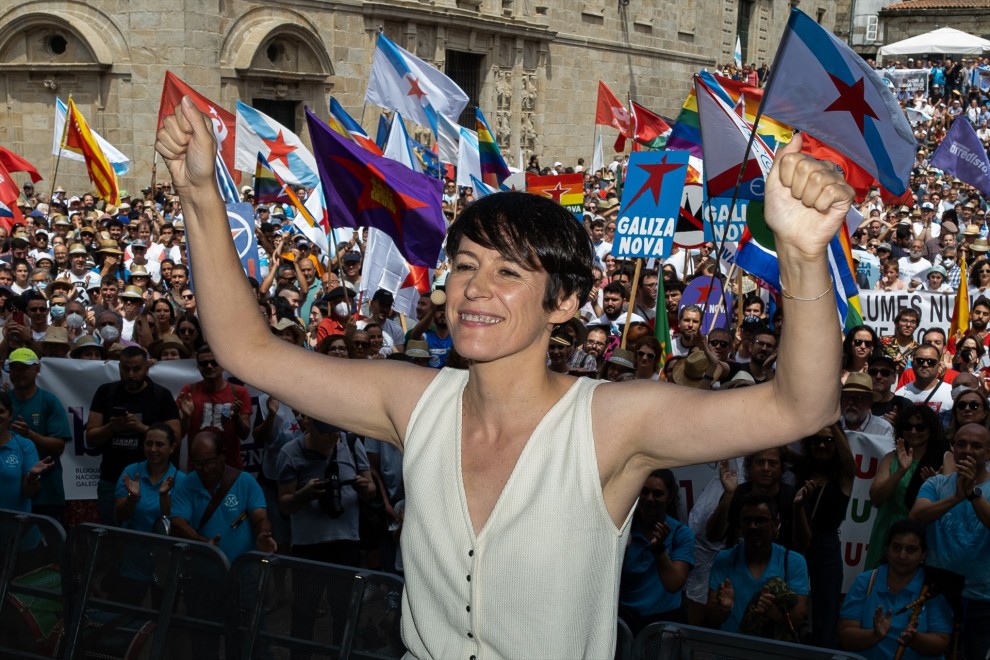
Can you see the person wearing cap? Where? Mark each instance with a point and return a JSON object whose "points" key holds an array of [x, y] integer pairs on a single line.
{"points": [[36, 307], [322, 478], [351, 268], [935, 281], [858, 397], [40, 416], [139, 258], [502, 304], [119, 415], [79, 273], [134, 324], [620, 363], [558, 351]]}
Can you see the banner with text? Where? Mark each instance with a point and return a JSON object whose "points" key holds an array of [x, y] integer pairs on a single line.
{"points": [[651, 204], [75, 381]]}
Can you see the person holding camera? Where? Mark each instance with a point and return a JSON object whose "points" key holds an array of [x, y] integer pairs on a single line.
{"points": [[321, 478]]}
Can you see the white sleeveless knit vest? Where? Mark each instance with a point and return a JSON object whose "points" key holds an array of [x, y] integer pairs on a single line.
{"points": [[541, 581]]}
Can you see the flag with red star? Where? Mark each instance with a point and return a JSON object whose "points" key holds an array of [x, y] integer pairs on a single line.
{"points": [[819, 85], [651, 204], [257, 133], [402, 82], [565, 189], [365, 190]]}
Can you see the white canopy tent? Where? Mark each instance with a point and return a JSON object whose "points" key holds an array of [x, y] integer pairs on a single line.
{"points": [[943, 41]]}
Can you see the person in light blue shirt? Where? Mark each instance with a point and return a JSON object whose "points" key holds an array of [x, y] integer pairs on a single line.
{"points": [[143, 496], [875, 619], [956, 509], [739, 581], [658, 558], [20, 472], [223, 506]]}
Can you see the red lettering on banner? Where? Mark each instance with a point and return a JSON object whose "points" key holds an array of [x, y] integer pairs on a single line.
{"points": [[870, 470], [853, 553]]}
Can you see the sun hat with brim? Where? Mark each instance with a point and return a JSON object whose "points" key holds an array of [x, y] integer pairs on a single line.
{"points": [[579, 328], [56, 335], [78, 248], [62, 221], [132, 291], [623, 358], [971, 230], [156, 348], [690, 371], [860, 383], [416, 348], [289, 324], [980, 245], [936, 269], [110, 247], [83, 342], [137, 270], [741, 379], [64, 285], [23, 356]]}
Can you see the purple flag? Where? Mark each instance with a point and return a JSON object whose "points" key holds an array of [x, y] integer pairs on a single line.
{"points": [[365, 190], [962, 155]]}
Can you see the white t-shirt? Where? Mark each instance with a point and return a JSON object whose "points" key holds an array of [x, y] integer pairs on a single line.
{"points": [[940, 401]]}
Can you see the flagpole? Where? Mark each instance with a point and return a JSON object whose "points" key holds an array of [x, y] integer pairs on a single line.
{"points": [[58, 159], [632, 299]]}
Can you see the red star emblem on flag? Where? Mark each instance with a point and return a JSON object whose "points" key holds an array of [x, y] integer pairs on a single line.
{"points": [[556, 193], [852, 100], [654, 181], [414, 88], [377, 194], [278, 149]]}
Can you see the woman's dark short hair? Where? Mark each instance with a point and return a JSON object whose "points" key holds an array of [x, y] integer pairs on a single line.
{"points": [[907, 526], [534, 232]]}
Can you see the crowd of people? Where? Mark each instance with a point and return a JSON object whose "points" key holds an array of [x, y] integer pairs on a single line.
{"points": [[759, 552]]}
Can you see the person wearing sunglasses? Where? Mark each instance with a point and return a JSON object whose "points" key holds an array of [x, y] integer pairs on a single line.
{"points": [[929, 386], [970, 407], [917, 455], [217, 404], [883, 371], [861, 343]]}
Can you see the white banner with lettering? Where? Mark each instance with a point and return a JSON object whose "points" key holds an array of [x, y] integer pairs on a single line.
{"points": [[75, 381]]}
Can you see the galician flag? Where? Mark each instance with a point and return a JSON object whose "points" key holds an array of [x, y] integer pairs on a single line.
{"points": [[819, 85], [257, 133], [402, 82]]}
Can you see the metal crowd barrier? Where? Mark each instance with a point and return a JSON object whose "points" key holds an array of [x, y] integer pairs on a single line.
{"points": [[670, 641], [360, 610], [134, 595], [31, 598]]}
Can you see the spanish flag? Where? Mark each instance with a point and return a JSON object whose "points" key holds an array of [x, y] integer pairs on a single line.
{"points": [[79, 138]]}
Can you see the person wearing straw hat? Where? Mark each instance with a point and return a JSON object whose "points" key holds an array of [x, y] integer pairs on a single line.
{"points": [[169, 347], [473, 537], [697, 371], [857, 399]]}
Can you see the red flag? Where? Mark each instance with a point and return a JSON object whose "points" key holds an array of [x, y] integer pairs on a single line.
{"points": [[14, 163], [9, 192], [611, 112], [860, 180], [224, 123], [649, 129]]}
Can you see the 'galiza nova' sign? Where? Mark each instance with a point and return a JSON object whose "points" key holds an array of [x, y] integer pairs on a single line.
{"points": [[651, 202]]}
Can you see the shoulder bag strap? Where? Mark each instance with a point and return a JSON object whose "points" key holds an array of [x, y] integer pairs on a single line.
{"points": [[229, 477]]}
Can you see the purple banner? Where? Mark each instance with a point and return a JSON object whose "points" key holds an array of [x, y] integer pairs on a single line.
{"points": [[962, 155]]}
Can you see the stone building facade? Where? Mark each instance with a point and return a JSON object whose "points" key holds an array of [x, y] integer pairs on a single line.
{"points": [[531, 65], [902, 20]]}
